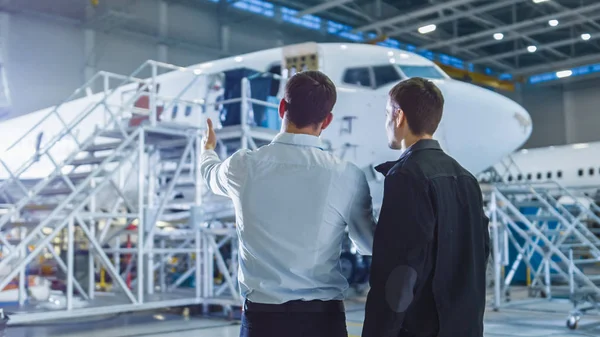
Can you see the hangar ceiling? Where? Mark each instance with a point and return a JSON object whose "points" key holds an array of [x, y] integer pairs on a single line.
{"points": [[518, 37], [496, 33]]}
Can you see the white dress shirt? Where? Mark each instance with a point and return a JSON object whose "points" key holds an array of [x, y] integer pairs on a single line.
{"points": [[293, 201]]}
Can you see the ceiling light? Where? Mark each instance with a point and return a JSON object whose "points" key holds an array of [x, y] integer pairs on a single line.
{"points": [[392, 60], [404, 56], [586, 36], [498, 36], [239, 59], [553, 23], [531, 49], [564, 73], [344, 46], [390, 53], [197, 71], [427, 29], [538, 1]]}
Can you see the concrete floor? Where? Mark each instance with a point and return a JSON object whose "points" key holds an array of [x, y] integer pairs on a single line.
{"points": [[508, 322]]}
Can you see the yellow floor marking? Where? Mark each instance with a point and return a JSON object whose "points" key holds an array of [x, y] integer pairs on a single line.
{"points": [[353, 324]]}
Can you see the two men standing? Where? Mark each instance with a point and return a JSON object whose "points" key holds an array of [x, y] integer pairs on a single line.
{"points": [[294, 200]]}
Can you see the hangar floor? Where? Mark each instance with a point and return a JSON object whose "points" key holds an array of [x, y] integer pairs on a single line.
{"points": [[508, 322]]}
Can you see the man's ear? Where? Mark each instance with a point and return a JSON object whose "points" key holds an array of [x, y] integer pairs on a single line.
{"points": [[400, 118], [327, 121], [282, 108]]}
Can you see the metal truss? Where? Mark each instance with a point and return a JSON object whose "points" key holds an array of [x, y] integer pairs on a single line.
{"points": [[551, 239], [111, 195]]}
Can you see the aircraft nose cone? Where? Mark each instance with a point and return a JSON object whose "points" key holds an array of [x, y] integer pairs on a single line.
{"points": [[486, 126]]}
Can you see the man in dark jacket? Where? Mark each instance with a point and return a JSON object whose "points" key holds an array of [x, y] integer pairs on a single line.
{"points": [[432, 242]]}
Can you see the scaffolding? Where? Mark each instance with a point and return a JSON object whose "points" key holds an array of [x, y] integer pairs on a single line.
{"points": [[552, 239], [123, 214]]}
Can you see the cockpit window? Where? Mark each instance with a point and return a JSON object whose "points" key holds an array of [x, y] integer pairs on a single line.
{"points": [[421, 71], [385, 75], [358, 76]]}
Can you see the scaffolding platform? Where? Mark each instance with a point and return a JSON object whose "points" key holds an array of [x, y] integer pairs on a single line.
{"points": [[118, 218], [552, 240]]}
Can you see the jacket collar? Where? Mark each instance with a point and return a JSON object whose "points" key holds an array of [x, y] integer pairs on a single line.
{"points": [[299, 140], [423, 144]]}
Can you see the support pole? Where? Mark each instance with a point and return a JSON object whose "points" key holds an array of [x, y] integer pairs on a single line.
{"points": [[199, 282], [497, 272], [197, 175], [91, 267], [245, 110], [141, 216], [70, 262], [151, 169], [153, 92], [163, 281], [206, 277], [22, 274]]}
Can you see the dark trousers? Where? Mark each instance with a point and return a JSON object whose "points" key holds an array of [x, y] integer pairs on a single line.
{"points": [[294, 319]]}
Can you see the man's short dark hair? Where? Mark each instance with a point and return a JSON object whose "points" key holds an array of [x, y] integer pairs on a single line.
{"points": [[310, 96], [421, 101]]}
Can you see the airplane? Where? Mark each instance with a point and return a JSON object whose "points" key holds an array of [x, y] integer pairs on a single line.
{"points": [[573, 166], [479, 126]]}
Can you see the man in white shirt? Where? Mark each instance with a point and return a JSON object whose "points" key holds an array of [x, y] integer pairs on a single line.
{"points": [[294, 201]]}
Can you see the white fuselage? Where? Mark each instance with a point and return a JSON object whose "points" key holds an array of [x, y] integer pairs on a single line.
{"points": [[573, 166], [479, 127]]}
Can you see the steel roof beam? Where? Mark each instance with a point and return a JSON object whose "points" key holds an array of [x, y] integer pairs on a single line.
{"points": [[570, 63], [494, 22], [513, 35], [356, 11], [556, 44], [512, 27], [412, 15], [582, 18], [322, 7], [458, 15]]}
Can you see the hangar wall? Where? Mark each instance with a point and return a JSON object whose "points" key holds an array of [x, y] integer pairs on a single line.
{"points": [[46, 56], [546, 108], [563, 113], [582, 111]]}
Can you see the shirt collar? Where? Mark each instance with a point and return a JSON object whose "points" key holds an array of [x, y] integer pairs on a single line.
{"points": [[423, 144], [299, 140]]}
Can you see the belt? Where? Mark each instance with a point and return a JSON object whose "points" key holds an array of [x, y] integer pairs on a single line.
{"points": [[296, 306]]}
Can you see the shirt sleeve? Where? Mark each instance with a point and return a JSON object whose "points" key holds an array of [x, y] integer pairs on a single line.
{"points": [[220, 175], [361, 224], [402, 237]]}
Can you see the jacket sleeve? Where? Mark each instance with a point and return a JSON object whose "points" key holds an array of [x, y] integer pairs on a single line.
{"points": [[402, 238]]}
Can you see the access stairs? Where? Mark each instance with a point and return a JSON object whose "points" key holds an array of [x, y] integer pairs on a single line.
{"points": [[124, 190], [531, 228]]}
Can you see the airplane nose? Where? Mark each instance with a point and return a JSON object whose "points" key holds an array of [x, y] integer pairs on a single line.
{"points": [[486, 126]]}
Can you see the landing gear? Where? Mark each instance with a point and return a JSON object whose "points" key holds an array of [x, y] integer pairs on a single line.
{"points": [[355, 269], [349, 263], [573, 321]]}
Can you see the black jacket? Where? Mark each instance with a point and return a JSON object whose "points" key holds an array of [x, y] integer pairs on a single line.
{"points": [[430, 249]]}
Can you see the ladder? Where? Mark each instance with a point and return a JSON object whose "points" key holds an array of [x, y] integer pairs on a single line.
{"points": [[552, 239]]}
